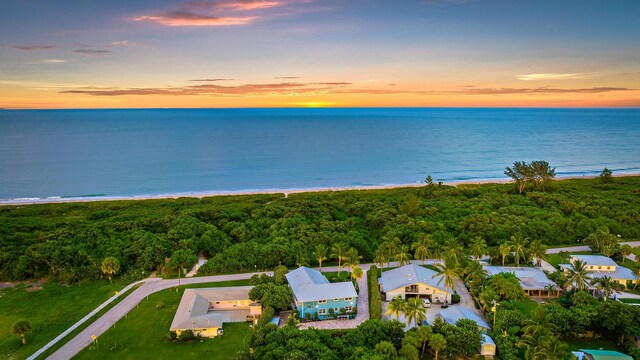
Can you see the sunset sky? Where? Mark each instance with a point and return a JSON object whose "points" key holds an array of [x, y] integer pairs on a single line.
{"points": [[289, 53]]}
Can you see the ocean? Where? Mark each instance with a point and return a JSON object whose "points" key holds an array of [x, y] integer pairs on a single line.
{"points": [[51, 154]]}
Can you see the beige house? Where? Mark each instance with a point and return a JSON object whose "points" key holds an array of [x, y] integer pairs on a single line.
{"points": [[414, 281], [204, 311], [599, 266]]}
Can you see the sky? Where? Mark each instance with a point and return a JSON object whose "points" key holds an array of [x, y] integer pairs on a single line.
{"points": [[319, 53]]}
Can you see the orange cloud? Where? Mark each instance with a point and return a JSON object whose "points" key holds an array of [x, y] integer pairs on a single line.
{"points": [[297, 88], [211, 13], [180, 18]]}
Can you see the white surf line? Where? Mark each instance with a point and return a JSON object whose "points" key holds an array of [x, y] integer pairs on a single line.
{"points": [[83, 320]]}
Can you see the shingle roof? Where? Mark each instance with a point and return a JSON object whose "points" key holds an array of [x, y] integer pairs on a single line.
{"points": [[454, 313], [531, 278], [310, 285], [193, 311], [409, 275], [596, 260]]}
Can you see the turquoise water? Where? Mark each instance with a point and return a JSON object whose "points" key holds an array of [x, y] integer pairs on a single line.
{"points": [[108, 153]]}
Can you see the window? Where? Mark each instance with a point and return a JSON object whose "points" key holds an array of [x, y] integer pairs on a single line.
{"points": [[348, 299], [348, 308], [336, 309], [322, 301], [599, 267], [336, 299], [322, 311]]}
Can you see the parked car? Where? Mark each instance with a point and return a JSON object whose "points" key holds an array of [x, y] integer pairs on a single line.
{"points": [[426, 303]]}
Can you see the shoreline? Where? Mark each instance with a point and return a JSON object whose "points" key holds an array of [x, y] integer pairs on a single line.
{"points": [[286, 192]]}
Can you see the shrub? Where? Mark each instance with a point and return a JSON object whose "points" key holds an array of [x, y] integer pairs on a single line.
{"points": [[455, 298], [267, 315], [375, 300], [307, 316], [187, 336]]}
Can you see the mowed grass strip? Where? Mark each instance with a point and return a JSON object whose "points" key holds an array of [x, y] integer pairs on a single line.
{"points": [[50, 310], [142, 334]]}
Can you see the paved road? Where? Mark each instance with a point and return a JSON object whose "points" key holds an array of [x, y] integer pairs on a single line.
{"points": [[583, 248], [153, 285], [149, 286]]}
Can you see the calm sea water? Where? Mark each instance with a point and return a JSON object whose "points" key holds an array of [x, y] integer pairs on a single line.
{"points": [[103, 153]]}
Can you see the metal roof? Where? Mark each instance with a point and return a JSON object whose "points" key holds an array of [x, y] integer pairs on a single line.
{"points": [[596, 260], [531, 278], [454, 313], [605, 355], [310, 285], [410, 275], [193, 311]]}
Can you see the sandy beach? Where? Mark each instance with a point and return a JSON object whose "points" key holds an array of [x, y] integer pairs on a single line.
{"points": [[286, 192]]}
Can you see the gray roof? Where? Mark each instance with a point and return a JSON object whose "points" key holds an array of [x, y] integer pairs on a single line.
{"points": [[310, 285], [454, 313], [193, 311], [620, 272], [531, 278], [596, 260], [409, 275]]}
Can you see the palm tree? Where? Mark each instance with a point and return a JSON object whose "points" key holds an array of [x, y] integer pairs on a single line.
{"points": [[357, 273], [539, 324], [424, 333], [402, 257], [539, 251], [392, 246], [337, 252], [549, 288], [519, 244], [320, 254], [437, 342], [414, 311], [110, 266], [476, 274], [504, 250], [380, 257], [553, 349], [301, 260], [351, 258], [421, 248], [625, 250], [578, 274], [395, 307], [478, 248], [22, 328], [448, 273], [454, 249], [606, 285]]}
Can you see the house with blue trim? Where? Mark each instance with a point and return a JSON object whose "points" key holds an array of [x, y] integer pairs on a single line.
{"points": [[314, 294]]}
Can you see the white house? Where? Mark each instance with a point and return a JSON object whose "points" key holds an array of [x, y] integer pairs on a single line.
{"points": [[413, 281]]}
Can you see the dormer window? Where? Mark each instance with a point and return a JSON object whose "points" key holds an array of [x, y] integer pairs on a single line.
{"points": [[322, 301]]}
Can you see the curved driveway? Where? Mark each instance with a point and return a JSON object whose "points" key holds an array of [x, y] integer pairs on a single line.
{"points": [[152, 285]]}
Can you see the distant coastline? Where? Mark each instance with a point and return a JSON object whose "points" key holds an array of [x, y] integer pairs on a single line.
{"points": [[286, 192]]}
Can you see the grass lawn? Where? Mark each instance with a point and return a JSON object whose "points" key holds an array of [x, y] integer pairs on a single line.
{"points": [[143, 333], [50, 311], [630, 301], [333, 276], [555, 259]]}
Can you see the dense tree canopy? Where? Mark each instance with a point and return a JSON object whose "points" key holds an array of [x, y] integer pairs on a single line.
{"points": [[69, 241]]}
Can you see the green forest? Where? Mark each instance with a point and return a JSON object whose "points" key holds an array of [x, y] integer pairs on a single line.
{"points": [[72, 242]]}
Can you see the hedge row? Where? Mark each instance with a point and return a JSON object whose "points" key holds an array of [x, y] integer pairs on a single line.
{"points": [[375, 300]]}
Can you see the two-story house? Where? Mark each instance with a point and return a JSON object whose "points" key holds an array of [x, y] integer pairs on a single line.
{"points": [[315, 297], [599, 266], [414, 281]]}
